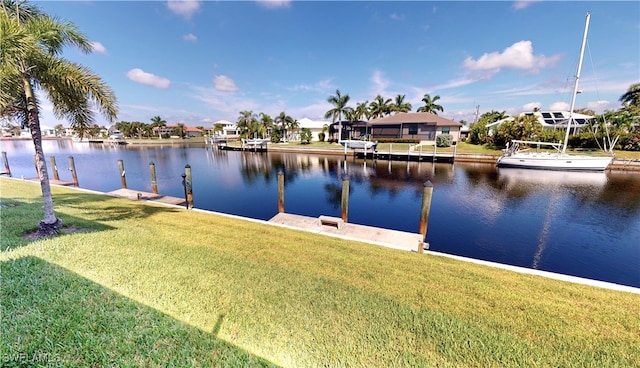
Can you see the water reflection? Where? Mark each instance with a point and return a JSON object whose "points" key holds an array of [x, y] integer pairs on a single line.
{"points": [[585, 224]]}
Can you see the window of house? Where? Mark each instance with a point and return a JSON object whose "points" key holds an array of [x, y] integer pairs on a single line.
{"points": [[446, 130], [413, 129]]}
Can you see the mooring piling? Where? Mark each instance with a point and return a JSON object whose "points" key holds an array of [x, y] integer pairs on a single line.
{"points": [[344, 204], [54, 167], [72, 168], [7, 170], [123, 178], [154, 183], [424, 212], [188, 185], [280, 191]]}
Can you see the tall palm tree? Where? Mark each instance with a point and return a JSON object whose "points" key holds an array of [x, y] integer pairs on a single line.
{"points": [[632, 96], [430, 104], [158, 122], [399, 105], [339, 103], [30, 46], [267, 121], [379, 107], [245, 121]]}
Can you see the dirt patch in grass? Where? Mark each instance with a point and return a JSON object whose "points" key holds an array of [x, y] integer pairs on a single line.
{"points": [[71, 229]]}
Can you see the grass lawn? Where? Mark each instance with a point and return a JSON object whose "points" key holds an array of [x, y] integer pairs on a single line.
{"points": [[138, 284]]}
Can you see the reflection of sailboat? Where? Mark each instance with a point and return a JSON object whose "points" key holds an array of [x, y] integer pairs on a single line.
{"points": [[545, 179], [515, 156]]}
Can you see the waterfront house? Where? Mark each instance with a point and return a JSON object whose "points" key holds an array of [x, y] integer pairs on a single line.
{"points": [[315, 126], [421, 126]]}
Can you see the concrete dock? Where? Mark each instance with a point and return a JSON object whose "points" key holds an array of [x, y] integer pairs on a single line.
{"points": [[385, 237], [145, 196]]}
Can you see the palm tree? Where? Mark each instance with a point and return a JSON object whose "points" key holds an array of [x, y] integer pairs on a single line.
{"points": [[245, 121], [30, 43], [284, 121], [399, 105], [362, 110], [158, 122], [267, 121], [379, 107], [631, 99], [430, 105], [339, 103]]}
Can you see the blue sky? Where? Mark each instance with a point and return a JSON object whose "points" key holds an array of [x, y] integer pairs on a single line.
{"points": [[197, 62]]}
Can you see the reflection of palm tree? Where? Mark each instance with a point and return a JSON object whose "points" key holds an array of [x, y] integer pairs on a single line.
{"points": [[430, 104], [339, 103], [31, 61]]}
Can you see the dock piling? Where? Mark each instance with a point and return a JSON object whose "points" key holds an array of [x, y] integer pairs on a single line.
{"points": [[344, 204], [188, 185], [72, 168], [424, 212], [123, 178], [7, 170], [280, 191], [54, 167], [154, 183]]}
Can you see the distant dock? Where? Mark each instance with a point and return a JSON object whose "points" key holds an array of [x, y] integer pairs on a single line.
{"points": [[145, 196]]}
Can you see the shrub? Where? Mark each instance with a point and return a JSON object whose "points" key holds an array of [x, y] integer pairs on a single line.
{"points": [[444, 140], [305, 135], [321, 137]]}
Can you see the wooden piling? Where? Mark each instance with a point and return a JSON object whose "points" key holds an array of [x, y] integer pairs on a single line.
{"points": [[344, 204], [54, 167], [72, 168], [154, 182], [7, 170], [280, 191], [189, 185], [123, 178], [424, 212]]}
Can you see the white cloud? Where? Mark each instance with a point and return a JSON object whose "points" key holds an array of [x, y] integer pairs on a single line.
{"points": [[395, 16], [274, 3], [190, 37], [185, 8], [98, 47], [560, 105], [224, 84], [379, 83], [519, 5], [140, 76], [517, 56], [531, 106], [320, 86]]}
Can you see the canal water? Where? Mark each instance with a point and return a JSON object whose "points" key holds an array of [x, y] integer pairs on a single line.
{"points": [[580, 224]]}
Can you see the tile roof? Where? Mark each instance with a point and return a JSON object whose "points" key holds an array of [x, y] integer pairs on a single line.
{"points": [[415, 117]]}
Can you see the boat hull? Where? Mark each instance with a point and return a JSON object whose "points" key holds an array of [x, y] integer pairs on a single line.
{"points": [[357, 144], [555, 162]]}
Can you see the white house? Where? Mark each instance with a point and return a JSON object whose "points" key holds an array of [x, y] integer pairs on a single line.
{"points": [[46, 131], [315, 126], [229, 129]]}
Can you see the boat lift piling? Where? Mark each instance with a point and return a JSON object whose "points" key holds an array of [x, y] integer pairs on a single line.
{"points": [[54, 167], [188, 186], [280, 191], [72, 168], [344, 203]]}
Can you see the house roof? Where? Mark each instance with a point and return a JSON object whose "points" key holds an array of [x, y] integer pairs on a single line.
{"points": [[415, 117], [312, 124]]}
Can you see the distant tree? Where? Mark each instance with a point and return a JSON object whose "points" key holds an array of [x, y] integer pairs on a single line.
{"points": [[218, 128], [158, 122], [59, 129], [362, 110], [430, 104], [399, 105], [267, 122], [245, 123], [478, 133], [180, 130], [525, 127], [340, 107], [30, 46], [379, 107], [284, 121], [305, 135], [632, 96]]}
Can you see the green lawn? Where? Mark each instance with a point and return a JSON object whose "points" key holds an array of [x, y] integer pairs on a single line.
{"points": [[139, 284]]}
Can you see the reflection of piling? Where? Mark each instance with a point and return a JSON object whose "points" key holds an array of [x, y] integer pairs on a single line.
{"points": [[345, 198], [7, 170], [424, 212], [280, 192], [188, 185], [154, 183], [72, 168], [123, 178], [54, 167]]}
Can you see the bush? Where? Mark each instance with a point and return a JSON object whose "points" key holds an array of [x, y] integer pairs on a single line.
{"points": [[305, 135], [444, 140], [321, 137]]}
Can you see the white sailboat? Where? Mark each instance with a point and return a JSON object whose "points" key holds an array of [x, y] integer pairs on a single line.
{"points": [[516, 156]]}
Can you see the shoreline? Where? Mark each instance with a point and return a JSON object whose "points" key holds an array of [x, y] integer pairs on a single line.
{"points": [[618, 164]]}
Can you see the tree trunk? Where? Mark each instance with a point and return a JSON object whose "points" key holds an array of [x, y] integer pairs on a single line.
{"points": [[50, 224]]}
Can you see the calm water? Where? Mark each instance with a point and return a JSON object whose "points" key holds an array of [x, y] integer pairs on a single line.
{"points": [[583, 224]]}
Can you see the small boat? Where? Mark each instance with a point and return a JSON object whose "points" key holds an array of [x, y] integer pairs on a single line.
{"points": [[359, 144], [519, 156], [117, 138], [254, 142]]}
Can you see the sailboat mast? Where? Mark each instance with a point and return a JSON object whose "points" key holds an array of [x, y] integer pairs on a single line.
{"points": [[575, 86]]}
